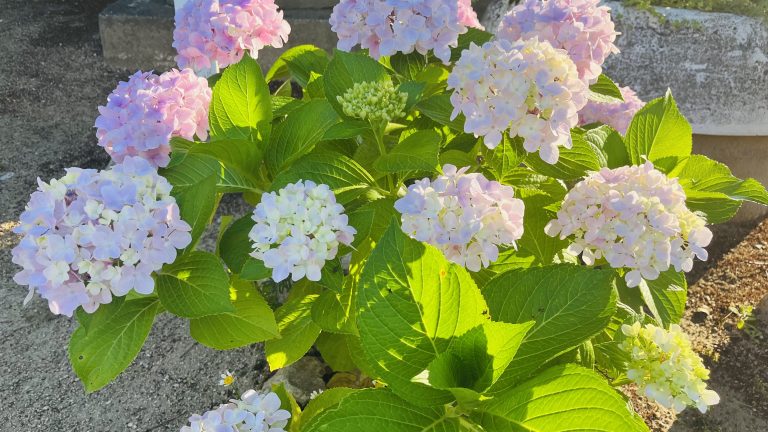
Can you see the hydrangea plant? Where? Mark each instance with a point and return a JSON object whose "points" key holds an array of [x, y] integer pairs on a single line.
{"points": [[489, 229]]}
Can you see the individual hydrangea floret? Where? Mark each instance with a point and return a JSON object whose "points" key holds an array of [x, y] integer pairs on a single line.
{"points": [[526, 88], [254, 412], [144, 113], [91, 235], [666, 368], [636, 218], [617, 114], [465, 215], [374, 101], [581, 27], [298, 229], [386, 27], [212, 33]]}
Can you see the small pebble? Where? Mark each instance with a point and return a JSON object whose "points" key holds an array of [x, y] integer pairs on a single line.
{"points": [[7, 175], [701, 314]]}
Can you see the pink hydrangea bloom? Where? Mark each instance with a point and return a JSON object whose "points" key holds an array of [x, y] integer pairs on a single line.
{"points": [[581, 27], [618, 115], [525, 88], [143, 114], [468, 16], [636, 218], [386, 27], [218, 32], [465, 215], [93, 234]]}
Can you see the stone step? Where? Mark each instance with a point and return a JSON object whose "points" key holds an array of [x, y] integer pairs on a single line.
{"points": [[137, 34]]}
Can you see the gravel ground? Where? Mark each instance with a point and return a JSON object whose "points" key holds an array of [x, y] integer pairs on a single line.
{"points": [[51, 80]]}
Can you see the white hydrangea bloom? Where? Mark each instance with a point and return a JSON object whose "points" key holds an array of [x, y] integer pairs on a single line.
{"points": [[465, 215], [666, 368], [254, 412], [526, 87], [636, 218], [298, 229]]}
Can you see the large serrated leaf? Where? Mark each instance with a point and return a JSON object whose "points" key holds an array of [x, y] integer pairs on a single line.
{"points": [[661, 133], [297, 330], [411, 304], [195, 285]]}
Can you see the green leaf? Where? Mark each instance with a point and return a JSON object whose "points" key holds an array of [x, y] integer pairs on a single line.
{"points": [[235, 246], [298, 63], [243, 155], [372, 219], [439, 109], [417, 152], [197, 205], [414, 90], [611, 143], [316, 86], [605, 91], [298, 133], [712, 189], [335, 351], [325, 400], [114, 336], [538, 212], [284, 105], [346, 69], [411, 303], [288, 403], [297, 330], [659, 132], [195, 285], [196, 168], [251, 321], [343, 175], [347, 129], [408, 66], [570, 304], [241, 104], [329, 313], [668, 294], [476, 359], [574, 163], [381, 410], [563, 398], [505, 158]]}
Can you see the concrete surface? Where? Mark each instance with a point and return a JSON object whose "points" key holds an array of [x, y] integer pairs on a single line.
{"points": [[52, 78]]}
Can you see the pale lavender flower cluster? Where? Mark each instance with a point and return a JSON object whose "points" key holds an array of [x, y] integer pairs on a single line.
{"points": [[636, 218], [213, 33], [144, 113], [298, 229], [581, 27], [617, 114], [254, 412], [386, 27], [527, 88], [465, 215], [91, 235]]}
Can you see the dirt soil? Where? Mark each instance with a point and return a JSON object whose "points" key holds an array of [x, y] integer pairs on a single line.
{"points": [[52, 78]]}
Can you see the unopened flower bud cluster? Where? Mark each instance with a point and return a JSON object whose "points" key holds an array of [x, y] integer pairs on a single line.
{"points": [[374, 101], [212, 33], [144, 113], [91, 235], [298, 229], [666, 368], [254, 412], [386, 27], [466, 216], [581, 27], [524, 88], [617, 115], [636, 218]]}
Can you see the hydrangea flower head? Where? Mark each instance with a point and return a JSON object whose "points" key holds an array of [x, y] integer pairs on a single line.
{"points": [[93, 234], [298, 229], [617, 115], [666, 368], [581, 27], [465, 215], [636, 218], [374, 101], [254, 412], [212, 33], [526, 87], [143, 114], [386, 27]]}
